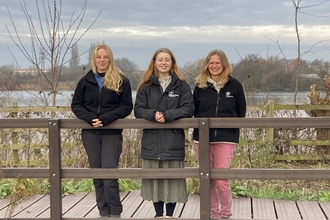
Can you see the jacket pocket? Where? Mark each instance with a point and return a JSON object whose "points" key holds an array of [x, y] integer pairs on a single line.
{"points": [[150, 139], [177, 139]]}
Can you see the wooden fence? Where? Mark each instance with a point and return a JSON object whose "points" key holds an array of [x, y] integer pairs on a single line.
{"points": [[55, 173], [269, 110]]}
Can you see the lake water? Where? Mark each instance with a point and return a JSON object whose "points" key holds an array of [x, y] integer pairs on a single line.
{"points": [[280, 97], [24, 98]]}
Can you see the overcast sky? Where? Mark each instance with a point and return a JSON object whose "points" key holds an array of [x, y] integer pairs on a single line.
{"points": [[190, 28]]}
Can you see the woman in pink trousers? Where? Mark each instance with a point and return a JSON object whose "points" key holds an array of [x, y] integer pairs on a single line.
{"points": [[218, 94]]}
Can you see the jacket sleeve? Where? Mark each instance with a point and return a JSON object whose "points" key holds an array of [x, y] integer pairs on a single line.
{"points": [[196, 102], [241, 102], [186, 106], [125, 105], [141, 108], [77, 105]]}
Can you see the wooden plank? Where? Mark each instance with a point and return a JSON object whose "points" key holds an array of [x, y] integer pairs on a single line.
{"points": [[67, 202], [35, 209], [22, 205], [286, 209], [146, 210], [310, 210], [241, 208], [192, 207], [135, 207], [82, 207], [263, 209], [178, 209], [131, 203], [4, 203], [325, 206], [94, 213]]}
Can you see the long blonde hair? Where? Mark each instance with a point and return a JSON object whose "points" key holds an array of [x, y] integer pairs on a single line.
{"points": [[112, 78], [153, 71], [201, 79]]}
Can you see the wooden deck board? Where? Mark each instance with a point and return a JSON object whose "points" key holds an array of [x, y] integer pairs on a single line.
{"points": [[83, 205], [131, 203], [146, 210], [191, 208], [310, 210], [325, 206], [178, 209], [94, 212], [67, 202], [286, 210], [242, 208], [263, 209], [4, 203], [35, 209], [21, 206]]}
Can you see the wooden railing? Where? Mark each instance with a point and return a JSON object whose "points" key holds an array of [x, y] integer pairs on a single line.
{"points": [[55, 173], [270, 109]]}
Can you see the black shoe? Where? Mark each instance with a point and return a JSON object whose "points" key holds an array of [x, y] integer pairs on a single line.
{"points": [[115, 216]]}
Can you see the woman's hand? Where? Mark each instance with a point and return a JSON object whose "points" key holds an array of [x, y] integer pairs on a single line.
{"points": [[159, 117], [97, 123]]}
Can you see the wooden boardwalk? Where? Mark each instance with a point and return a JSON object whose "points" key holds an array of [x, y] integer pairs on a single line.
{"points": [[83, 206]]}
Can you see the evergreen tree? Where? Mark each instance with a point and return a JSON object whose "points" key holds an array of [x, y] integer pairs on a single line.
{"points": [[75, 60]]}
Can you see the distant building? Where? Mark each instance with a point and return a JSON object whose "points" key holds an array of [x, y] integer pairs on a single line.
{"points": [[292, 64]]}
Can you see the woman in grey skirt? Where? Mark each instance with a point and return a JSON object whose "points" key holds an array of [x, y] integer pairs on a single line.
{"points": [[163, 96]]}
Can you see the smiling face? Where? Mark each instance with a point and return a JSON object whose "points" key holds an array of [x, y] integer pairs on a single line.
{"points": [[102, 60], [163, 63], [215, 67]]}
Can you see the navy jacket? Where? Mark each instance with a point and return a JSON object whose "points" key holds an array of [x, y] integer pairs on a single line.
{"points": [[90, 102], [229, 102], [175, 102]]}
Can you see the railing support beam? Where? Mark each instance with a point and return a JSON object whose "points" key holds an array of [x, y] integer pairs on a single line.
{"points": [[204, 167], [55, 178]]}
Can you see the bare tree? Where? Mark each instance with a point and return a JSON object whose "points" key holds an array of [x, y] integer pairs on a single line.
{"points": [[190, 71], [299, 9], [296, 4], [50, 40]]}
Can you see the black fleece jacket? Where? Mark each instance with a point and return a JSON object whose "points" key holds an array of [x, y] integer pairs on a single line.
{"points": [[90, 102], [229, 102]]}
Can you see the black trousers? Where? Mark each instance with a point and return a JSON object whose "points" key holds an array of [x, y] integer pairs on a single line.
{"points": [[104, 151]]}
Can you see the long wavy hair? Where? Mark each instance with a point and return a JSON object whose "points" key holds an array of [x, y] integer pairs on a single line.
{"points": [[112, 78], [201, 79], [152, 70]]}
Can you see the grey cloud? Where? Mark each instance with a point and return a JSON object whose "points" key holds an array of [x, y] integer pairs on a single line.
{"points": [[156, 15]]}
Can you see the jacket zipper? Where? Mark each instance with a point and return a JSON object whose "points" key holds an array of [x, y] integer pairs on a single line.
{"points": [[159, 101], [216, 110], [99, 108]]}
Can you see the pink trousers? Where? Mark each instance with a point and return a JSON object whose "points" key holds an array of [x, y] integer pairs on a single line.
{"points": [[221, 155]]}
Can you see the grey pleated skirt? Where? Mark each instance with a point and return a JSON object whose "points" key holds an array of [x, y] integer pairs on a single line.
{"points": [[166, 190]]}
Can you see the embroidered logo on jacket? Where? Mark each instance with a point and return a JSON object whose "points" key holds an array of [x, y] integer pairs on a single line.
{"points": [[172, 94], [228, 95]]}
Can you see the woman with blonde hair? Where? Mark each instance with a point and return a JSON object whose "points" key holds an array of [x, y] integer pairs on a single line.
{"points": [[163, 96], [102, 96], [218, 94]]}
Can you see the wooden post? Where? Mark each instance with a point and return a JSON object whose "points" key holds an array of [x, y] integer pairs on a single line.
{"points": [[14, 137], [270, 113], [204, 167], [55, 174]]}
